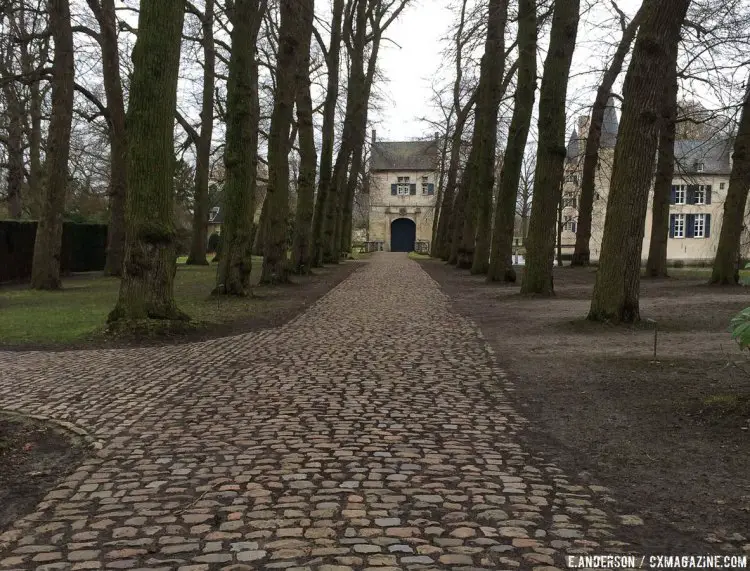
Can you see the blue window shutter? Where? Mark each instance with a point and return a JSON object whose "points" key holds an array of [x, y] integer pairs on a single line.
{"points": [[690, 226], [708, 194], [394, 189], [690, 197], [671, 220], [673, 196], [708, 226], [430, 188], [413, 189]]}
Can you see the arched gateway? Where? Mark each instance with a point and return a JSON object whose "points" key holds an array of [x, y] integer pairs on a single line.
{"points": [[403, 235]]}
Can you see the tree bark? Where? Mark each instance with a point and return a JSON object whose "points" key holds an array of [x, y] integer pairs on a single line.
{"points": [[45, 270], [725, 270], [147, 285], [455, 226], [199, 240], [617, 285], [104, 12], [241, 151], [656, 266], [501, 259], [474, 247], [36, 173], [301, 244], [14, 146], [328, 134], [582, 252], [439, 193], [551, 151], [275, 264]]}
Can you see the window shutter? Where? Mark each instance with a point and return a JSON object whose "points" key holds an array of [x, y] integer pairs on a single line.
{"points": [[430, 188], [708, 226], [690, 197], [413, 189], [671, 220], [394, 189], [690, 226], [708, 194], [673, 196]]}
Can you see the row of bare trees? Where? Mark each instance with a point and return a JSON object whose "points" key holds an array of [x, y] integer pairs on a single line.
{"points": [[654, 40], [258, 59]]}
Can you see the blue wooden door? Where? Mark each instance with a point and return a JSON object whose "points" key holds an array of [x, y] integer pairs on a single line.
{"points": [[403, 235]]}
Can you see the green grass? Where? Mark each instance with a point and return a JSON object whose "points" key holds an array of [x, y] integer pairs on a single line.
{"points": [[80, 309], [418, 256]]}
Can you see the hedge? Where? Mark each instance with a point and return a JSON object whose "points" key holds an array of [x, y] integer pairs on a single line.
{"points": [[84, 248]]}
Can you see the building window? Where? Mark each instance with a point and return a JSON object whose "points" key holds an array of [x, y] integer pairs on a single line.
{"points": [[570, 226], [403, 189], [680, 192], [570, 201], [679, 225], [700, 195], [425, 187], [425, 179], [699, 226], [721, 186], [700, 167]]}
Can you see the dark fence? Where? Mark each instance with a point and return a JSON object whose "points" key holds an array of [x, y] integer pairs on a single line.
{"points": [[84, 248]]}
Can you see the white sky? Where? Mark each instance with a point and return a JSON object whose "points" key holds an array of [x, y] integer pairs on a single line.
{"points": [[410, 65]]}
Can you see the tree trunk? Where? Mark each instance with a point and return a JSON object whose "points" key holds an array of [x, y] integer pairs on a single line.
{"points": [[118, 180], [147, 285], [582, 253], [328, 134], [474, 248], [455, 226], [501, 259], [439, 194], [14, 147], [241, 152], [617, 285], [45, 271], [656, 267], [199, 241], [726, 270], [301, 244], [34, 196], [551, 150], [275, 264]]}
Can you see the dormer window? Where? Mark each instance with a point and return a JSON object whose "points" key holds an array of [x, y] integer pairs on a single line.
{"points": [[700, 167], [213, 213]]}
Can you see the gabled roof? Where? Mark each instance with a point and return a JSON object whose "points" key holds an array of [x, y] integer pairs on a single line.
{"points": [[216, 215], [713, 154], [574, 146], [404, 156]]}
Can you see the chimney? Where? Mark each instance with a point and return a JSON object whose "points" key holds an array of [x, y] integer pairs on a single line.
{"points": [[437, 136], [373, 136]]}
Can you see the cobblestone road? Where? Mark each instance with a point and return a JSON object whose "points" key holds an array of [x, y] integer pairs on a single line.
{"points": [[374, 431]]}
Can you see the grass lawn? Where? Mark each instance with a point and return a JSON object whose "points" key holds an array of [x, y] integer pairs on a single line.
{"points": [[418, 256], [80, 309]]}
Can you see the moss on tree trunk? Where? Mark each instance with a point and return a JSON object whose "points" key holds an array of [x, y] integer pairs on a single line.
{"points": [[616, 290], [45, 271], [550, 157], [147, 285]]}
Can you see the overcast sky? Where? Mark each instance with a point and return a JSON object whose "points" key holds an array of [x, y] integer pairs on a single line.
{"points": [[414, 55]]}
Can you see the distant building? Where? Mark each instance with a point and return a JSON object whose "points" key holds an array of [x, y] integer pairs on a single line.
{"points": [[699, 189], [403, 179]]}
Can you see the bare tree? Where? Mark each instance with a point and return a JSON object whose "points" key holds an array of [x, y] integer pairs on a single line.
{"points": [[501, 263], [551, 150], [581, 253], [147, 285], [45, 271], [617, 285]]}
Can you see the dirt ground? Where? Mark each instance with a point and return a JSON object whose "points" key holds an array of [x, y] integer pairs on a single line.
{"points": [[669, 437], [34, 457]]}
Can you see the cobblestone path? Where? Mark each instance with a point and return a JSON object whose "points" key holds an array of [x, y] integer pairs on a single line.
{"points": [[373, 431]]}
